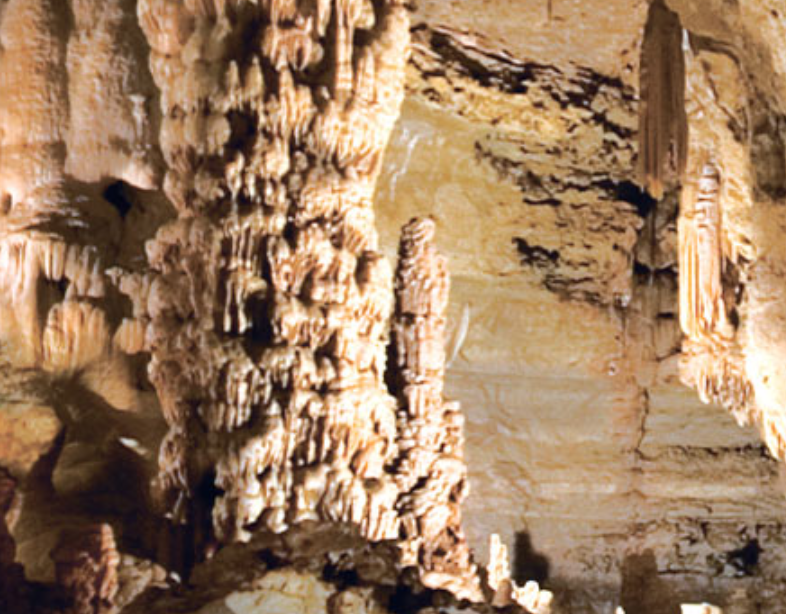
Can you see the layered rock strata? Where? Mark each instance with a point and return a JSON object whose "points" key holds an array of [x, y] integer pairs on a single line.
{"points": [[514, 122]]}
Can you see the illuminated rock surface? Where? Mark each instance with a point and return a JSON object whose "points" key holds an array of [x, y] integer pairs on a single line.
{"points": [[218, 342]]}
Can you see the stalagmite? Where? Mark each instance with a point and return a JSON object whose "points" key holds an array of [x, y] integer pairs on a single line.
{"points": [[86, 562], [301, 376], [506, 591], [431, 470], [266, 308]]}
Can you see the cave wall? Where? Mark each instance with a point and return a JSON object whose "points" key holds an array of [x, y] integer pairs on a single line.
{"points": [[610, 480], [633, 491]]}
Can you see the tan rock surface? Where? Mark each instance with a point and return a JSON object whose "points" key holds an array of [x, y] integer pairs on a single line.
{"points": [[626, 459], [26, 433], [131, 166]]}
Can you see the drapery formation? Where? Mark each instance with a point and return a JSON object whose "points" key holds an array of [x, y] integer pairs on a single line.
{"points": [[723, 292], [57, 231]]}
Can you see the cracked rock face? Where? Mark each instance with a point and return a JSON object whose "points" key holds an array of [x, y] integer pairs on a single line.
{"points": [[227, 340]]}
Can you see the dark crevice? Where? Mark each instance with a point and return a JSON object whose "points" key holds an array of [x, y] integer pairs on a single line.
{"points": [[535, 255], [405, 600], [486, 69], [745, 560], [544, 190], [340, 578], [528, 564], [768, 155], [116, 194], [629, 192]]}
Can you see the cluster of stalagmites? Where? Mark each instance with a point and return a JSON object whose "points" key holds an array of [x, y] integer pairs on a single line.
{"points": [[86, 562], [264, 306], [268, 310]]}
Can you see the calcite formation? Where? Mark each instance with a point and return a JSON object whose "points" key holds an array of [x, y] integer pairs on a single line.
{"points": [[663, 125], [704, 315], [86, 562], [717, 252], [506, 591], [267, 310], [272, 156], [264, 306], [187, 243], [57, 231], [12, 578]]}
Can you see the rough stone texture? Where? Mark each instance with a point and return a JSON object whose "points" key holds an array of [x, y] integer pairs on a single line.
{"points": [[86, 562], [12, 578], [26, 433], [611, 481], [601, 482], [259, 308]]}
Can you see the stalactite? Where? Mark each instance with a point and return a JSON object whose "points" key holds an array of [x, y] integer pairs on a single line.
{"points": [[663, 125], [57, 233], [264, 312], [702, 310], [712, 359], [264, 306]]}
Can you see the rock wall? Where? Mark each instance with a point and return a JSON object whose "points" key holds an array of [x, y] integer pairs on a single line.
{"points": [[604, 467], [194, 295]]}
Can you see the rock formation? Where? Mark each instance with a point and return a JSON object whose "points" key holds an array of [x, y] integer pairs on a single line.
{"points": [[663, 125], [12, 579], [199, 201], [719, 254], [263, 305], [86, 564]]}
